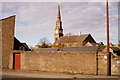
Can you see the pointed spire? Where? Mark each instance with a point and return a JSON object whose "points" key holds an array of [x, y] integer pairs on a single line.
{"points": [[59, 16]]}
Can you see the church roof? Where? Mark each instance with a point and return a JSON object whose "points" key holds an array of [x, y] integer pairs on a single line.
{"points": [[72, 39]]}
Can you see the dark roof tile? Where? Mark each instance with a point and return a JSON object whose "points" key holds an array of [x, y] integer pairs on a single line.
{"points": [[46, 49], [85, 48], [72, 39], [115, 48]]}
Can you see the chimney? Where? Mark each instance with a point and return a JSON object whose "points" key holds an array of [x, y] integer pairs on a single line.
{"points": [[79, 33]]}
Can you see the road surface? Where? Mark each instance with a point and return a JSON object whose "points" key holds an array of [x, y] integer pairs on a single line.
{"points": [[36, 75]]}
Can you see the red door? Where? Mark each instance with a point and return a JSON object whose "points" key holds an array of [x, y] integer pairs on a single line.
{"points": [[16, 64]]}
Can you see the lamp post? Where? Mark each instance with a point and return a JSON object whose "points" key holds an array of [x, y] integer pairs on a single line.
{"points": [[107, 32]]}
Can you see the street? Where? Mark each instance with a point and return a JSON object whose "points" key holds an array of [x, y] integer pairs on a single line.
{"points": [[37, 75]]}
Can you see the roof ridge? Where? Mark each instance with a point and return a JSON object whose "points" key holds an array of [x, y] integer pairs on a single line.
{"points": [[75, 35]]}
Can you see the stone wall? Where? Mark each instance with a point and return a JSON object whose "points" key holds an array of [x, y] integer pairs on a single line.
{"points": [[118, 62], [102, 64], [115, 65], [65, 61], [59, 61], [7, 39]]}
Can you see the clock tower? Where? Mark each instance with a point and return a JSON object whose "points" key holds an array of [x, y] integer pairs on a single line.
{"points": [[58, 28]]}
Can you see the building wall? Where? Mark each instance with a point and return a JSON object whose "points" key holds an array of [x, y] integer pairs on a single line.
{"points": [[88, 44], [7, 39], [0, 46]]}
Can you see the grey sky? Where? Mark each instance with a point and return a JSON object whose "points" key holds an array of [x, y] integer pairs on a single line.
{"points": [[35, 20]]}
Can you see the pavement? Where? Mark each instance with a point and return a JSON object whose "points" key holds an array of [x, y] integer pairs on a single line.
{"points": [[51, 76]]}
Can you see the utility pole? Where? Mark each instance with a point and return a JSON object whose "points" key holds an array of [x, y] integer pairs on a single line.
{"points": [[107, 32]]}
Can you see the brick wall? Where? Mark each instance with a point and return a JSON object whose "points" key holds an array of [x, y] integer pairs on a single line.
{"points": [[7, 39]]}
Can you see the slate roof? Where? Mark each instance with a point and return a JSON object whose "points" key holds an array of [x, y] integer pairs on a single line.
{"points": [[24, 44], [46, 49], [115, 48], [85, 48], [73, 39], [17, 44]]}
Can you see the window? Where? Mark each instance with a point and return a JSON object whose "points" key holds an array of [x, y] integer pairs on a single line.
{"points": [[21, 48]]}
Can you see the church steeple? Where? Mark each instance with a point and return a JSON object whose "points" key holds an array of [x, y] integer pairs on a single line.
{"points": [[59, 16], [58, 28]]}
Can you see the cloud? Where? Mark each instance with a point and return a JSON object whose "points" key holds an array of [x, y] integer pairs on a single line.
{"points": [[36, 20], [92, 20], [59, 0]]}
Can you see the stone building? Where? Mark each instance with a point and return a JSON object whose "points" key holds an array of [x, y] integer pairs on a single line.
{"points": [[7, 31], [76, 41], [8, 41]]}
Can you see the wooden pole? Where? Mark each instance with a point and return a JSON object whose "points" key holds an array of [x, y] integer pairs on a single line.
{"points": [[108, 52]]}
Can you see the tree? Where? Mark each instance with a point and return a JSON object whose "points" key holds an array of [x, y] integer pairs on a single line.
{"points": [[61, 46], [44, 43]]}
